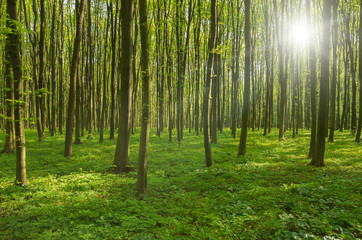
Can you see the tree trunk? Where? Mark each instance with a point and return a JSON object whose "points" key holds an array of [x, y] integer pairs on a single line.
{"points": [[41, 83], [13, 46], [207, 92], [334, 71], [60, 85], [246, 106], [358, 134], [53, 76], [146, 101], [313, 80], [113, 84], [213, 125], [282, 81], [353, 73], [9, 145], [105, 82], [121, 157], [318, 152], [197, 66], [73, 77], [267, 63], [90, 74]]}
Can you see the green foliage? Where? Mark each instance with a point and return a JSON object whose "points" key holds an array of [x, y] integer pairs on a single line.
{"points": [[270, 194]]}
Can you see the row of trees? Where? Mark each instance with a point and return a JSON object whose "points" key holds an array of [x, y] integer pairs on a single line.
{"points": [[86, 55]]}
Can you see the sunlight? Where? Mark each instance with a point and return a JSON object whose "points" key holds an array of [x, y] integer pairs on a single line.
{"points": [[301, 34]]}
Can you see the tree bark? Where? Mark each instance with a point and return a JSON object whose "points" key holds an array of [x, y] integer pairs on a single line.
{"points": [[13, 45], [41, 82], [146, 101], [73, 77], [105, 81], [9, 145], [318, 152], [121, 157], [90, 74], [334, 71], [60, 85], [246, 106], [282, 80], [313, 80], [207, 91], [113, 64], [358, 133], [53, 76], [197, 67]]}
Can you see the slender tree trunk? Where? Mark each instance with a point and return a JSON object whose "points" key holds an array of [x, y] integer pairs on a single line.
{"points": [[78, 96], [73, 77], [41, 83], [334, 71], [267, 63], [113, 83], [197, 66], [318, 152], [53, 76], [60, 85], [354, 85], [105, 81], [13, 46], [121, 157], [213, 125], [135, 76], [246, 106], [282, 81], [9, 145], [358, 134], [207, 92], [313, 79], [146, 101], [90, 74]]}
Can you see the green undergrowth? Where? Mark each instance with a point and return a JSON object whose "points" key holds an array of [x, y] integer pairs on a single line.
{"points": [[271, 193]]}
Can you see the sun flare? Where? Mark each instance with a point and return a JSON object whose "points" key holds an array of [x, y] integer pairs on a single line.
{"points": [[301, 34]]}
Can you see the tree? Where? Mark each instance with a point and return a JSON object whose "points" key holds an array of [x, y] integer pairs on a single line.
{"points": [[318, 152], [13, 46], [358, 134], [282, 80], [41, 81], [53, 76], [208, 86], [246, 106], [90, 73], [113, 83], [334, 71], [79, 6], [121, 157], [9, 145], [146, 101], [313, 80]]}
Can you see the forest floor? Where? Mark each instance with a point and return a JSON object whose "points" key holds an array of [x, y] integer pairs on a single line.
{"points": [[271, 193]]}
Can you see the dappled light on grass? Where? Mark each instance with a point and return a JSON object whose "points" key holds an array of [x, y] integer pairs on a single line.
{"points": [[269, 193]]}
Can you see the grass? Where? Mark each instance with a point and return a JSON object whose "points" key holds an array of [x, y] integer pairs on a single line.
{"points": [[270, 194]]}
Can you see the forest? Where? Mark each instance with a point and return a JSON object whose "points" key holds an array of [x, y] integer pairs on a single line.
{"points": [[180, 119]]}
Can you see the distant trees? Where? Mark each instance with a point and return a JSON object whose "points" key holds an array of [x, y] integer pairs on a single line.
{"points": [[193, 45]]}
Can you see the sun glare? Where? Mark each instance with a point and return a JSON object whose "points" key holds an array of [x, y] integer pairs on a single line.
{"points": [[301, 34]]}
